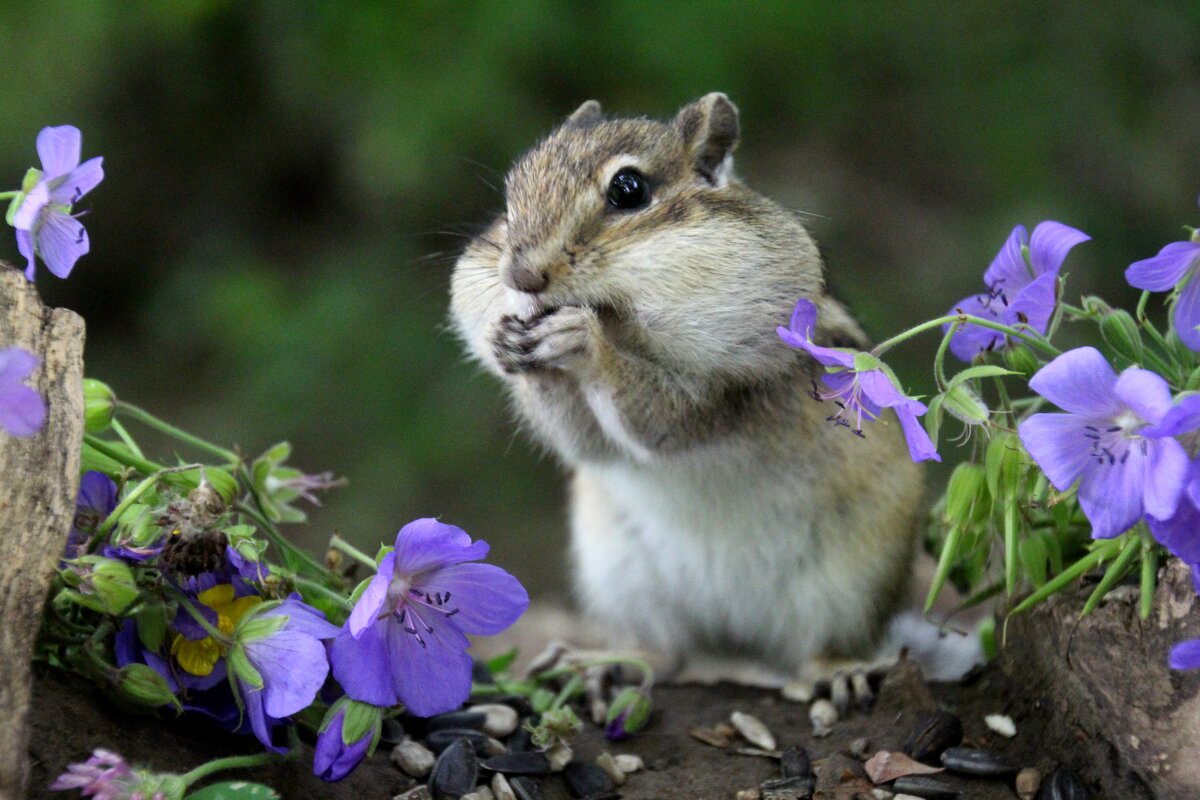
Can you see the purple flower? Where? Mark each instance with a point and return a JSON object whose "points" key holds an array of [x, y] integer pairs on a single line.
{"points": [[96, 500], [280, 663], [405, 639], [1175, 264], [341, 745], [1107, 440], [859, 384], [1185, 655], [106, 776], [22, 410], [1019, 292], [43, 220]]}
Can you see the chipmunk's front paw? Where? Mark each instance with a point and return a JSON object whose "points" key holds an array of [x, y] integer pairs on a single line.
{"points": [[564, 338]]}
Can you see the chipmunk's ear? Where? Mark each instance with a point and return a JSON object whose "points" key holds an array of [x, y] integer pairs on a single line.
{"points": [[709, 128], [587, 114]]}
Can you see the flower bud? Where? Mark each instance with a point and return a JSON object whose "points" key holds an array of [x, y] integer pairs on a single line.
{"points": [[555, 726], [1004, 462], [1096, 306], [104, 584], [1121, 333], [964, 493], [628, 714], [348, 734], [98, 401], [143, 686], [965, 405], [1019, 359]]}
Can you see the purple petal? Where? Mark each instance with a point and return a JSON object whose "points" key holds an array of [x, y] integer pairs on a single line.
{"points": [[333, 759], [260, 723], [22, 410], [1050, 243], [16, 364], [293, 666], [1080, 381], [829, 356], [1145, 392], [1186, 317], [1034, 305], [920, 446], [82, 180], [488, 599], [1111, 495], [98, 492], [432, 679], [31, 207], [970, 340], [61, 241], [1008, 271], [58, 148], [1167, 472], [879, 389], [844, 386], [25, 248], [1058, 444], [1180, 419], [303, 618], [1181, 533], [370, 603], [804, 319], [426, 543], [1163, 271], [1185, 655], [361, 665]]}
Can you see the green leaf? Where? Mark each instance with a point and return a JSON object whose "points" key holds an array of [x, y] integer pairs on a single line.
{"points": [[1114, 573], [1103, 551], [242, 669], [933, 419], [499, 663], [1033, 559], [152, 625], [983, 371], [1004, 462], [963, 491], [1149, 577], [234, 790], [945, 561], [94, 460]]}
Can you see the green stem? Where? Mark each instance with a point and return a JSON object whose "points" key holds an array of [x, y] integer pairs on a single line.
{"points": [[195, 613], [142, 465], [125, 437], [338, 543], [939, 361], [316, 587], [1076, 310], [146, 418], [1114, 573], [1101, 553], [9, 195], [965, 319], [281, 543], [568, 691], [229, 762], [1149, 574]]}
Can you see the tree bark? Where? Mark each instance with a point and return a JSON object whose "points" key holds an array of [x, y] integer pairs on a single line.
{"points": [[39, 478]]}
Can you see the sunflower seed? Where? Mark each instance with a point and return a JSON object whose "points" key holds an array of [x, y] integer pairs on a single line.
{"points": [[457, 719], [501, 788], [823, 716], [929, 788], [1062, 784], [499, 720], [611, 767], [788, 788], [419, 793], [437, 741], [519, 764], [526, 788], [970, 761], [628, 763], [455, 771], [753, 730], [932, 734], [1027, 783], [584, 779]]}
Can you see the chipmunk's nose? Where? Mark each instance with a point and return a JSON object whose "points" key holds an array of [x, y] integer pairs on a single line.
{"points": [[518, 272]]}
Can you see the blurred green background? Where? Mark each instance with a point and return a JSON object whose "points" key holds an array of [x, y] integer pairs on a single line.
{"points": [[288, 183]]}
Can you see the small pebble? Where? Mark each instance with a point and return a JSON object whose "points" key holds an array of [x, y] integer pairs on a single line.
{"points": [[559, 755], [484, 792], [612, 767], [823, 716], [794, 763], [1001, 724], [749, 794], [585, 780], [798, 692], [419, 793], [473, 796], [983, 763], [1027, 783], [932, 734], [1062, 784], [883, 794], [928, 788], [499, 720], [456, 770], [861, 748], [525, 788], [628, 763], [413, 758], [533, 763], [904, 797], [501, 788]]}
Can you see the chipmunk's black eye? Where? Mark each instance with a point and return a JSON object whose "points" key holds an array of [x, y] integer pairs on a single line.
{"points": [[628, 190]]}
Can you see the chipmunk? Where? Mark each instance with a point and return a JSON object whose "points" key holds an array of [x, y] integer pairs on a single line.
{"points": [[628, 298]]}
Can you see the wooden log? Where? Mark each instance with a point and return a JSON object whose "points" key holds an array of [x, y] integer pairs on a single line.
{"points": [[39, 478]]}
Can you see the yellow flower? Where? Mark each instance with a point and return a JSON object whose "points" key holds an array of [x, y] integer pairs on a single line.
{"points": [[199, 656]]}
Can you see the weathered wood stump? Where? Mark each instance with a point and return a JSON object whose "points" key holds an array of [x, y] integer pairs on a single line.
{"points": [[39, 478]]}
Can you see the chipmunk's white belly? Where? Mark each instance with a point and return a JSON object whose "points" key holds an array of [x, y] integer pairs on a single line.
{"points": [[716, 552]]}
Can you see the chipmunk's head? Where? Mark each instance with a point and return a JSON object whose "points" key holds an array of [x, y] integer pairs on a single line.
{"points": [[597, 191]]}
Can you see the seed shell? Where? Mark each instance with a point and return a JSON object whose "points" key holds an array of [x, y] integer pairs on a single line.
{"points": [[932, 734], [532, 763], [983, 763], [585, 780], [456, 770], [929, 788], [753, 730], [1062, 784]]}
